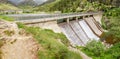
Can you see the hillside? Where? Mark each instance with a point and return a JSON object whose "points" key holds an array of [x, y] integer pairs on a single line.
{"points": [[3, 1], [18, 41], [66, 6], [7, 7], [26, 2]]}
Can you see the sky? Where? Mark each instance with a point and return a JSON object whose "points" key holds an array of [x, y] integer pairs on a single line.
{"points": [[18, 1], [40, 1]]}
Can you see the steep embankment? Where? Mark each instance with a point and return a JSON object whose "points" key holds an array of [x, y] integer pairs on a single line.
{"points": [[16, 43]]}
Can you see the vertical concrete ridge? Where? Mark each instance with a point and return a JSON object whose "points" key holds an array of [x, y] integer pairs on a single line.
{"points": [[87, 30], [82, 29], [70, 34], [97, 24], [93, 27], [75, 26]]}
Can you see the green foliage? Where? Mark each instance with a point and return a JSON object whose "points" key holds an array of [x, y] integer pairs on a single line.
{"points": [[107, 2], [115, 12], [6, 18], [67, 6], [114, 51], [20, 25], [6, 6], [45, 7], [96, 50], [112, 24]]}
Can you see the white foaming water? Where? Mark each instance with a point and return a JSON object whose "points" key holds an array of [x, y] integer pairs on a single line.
{"points": [[88, 31]]}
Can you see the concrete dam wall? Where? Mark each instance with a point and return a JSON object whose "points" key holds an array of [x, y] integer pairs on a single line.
{"points": [[78, 30]]}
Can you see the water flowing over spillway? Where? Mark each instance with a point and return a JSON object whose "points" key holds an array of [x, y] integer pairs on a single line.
{"points": [[82, 31], [79, 32], [70, 34], [87, 30], [93, 26]]}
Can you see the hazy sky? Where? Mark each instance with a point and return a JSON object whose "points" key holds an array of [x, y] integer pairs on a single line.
{"points": [[37, 1], [40, 1]]}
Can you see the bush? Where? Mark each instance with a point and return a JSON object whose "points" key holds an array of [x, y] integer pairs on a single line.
{"points": [[94, 48], [97, 51], [114, 51]]}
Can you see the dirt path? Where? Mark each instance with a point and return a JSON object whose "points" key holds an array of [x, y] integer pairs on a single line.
{"points": [[20, 49], [17, 43]]}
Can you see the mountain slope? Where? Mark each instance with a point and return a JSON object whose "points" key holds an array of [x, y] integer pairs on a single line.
{"points": [[3, 1], [66, 6]]}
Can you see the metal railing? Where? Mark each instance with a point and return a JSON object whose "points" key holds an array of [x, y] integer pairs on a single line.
{"points": [[37, 17]]}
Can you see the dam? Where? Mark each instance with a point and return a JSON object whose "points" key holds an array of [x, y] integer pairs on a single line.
{"points": [[79, 28]]}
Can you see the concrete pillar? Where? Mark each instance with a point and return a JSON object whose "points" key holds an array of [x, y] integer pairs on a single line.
{"points": [[98, 17], [83, 17], [68, 20], [76, 18]]}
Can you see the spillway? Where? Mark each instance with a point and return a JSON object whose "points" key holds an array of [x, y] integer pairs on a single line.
{"points": [[93, 26], [87, 30], [79, 32], [67, 30]]}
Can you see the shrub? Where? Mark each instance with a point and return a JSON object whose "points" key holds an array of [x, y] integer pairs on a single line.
{"points": [[20, 25], [114, 51], [94, 49]]}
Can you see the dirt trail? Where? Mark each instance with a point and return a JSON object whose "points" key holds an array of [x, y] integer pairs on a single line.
{"points": [[17, 43], [20, 49]]}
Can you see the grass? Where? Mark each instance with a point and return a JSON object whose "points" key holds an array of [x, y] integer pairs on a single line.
{"points": [[97, 50], [7, 7], [52, 48], [6, 18], [45, 7]]}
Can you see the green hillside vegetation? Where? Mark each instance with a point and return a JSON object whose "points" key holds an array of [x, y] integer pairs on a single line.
{"points": [[52, 47], [112, 24], [45, 7], [97, 50], [67, 6], [7, 7], [6, 18]]}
